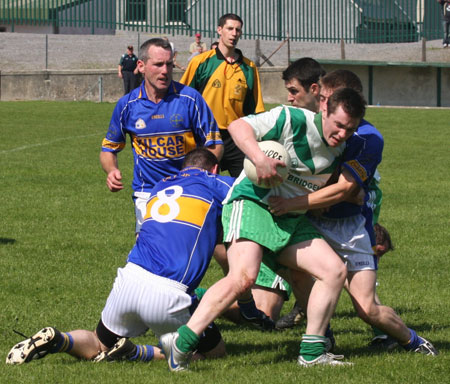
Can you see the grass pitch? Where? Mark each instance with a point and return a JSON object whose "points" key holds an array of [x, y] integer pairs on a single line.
{"points": [[63, 235]]}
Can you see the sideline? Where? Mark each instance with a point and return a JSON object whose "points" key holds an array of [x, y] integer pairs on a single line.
{"points": [[48, 143]]}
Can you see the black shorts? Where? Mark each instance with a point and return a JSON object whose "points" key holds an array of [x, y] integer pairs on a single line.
{"points": [[233, 158]]}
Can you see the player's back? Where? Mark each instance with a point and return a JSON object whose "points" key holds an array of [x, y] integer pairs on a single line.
{"points": [[181, 226]]}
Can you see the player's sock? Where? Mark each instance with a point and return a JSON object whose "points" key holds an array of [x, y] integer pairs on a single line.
{"points": [[187, 340], [377, 332], [248, 308], [413, 342], [312, 346], [144, 353], [200, 292], [64, 344]]}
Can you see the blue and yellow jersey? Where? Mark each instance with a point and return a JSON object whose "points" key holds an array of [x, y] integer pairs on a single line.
{"points": [[182, 226], [161, 134], [361, 157]]}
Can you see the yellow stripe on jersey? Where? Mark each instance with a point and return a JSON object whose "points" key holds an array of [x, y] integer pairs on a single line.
{"points": [[191, 210], [113, 145], [164, 146], [358, 168]]}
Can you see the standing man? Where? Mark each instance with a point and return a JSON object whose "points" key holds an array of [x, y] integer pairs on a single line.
{"points": [[154, 290], [445, 13], [197, 44], [128, 70], [230, 84], [164, 119], [315, 144]]}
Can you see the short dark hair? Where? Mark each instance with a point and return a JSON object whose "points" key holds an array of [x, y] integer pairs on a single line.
{"points": [[341, 78], [214, 44], [306, 70], [229, 16], [383, 237], [157, 42], [201, 158], [352, 102]]}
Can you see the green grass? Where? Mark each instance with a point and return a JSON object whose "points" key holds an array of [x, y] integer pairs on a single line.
{"points": [[63, 235]]}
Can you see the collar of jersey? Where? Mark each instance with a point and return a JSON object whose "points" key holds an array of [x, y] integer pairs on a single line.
{"points": [[143, 94], [192, 170], [240, 56], [318, 124]]}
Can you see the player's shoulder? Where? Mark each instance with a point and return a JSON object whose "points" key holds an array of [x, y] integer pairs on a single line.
{"points": [[368, 130], [184, 90]]}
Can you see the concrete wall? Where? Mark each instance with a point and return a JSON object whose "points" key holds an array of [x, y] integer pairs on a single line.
{"points": [[383, 85]]}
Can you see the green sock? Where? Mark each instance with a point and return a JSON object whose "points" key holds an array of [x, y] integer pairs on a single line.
{"points": [[187, 340], [312, 346], [377, 332]]}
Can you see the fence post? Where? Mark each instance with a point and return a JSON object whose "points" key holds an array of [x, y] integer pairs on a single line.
{"points": [[257, 53], [424, 49], [46, 52], [100, 89], [342, 49]]}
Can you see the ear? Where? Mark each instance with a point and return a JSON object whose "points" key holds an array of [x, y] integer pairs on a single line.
{"points": [[219, 31], [140, 65], [315, 89], [215, 170]]}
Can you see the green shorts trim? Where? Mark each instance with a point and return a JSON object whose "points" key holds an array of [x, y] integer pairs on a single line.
{"points": [[269, 279], [246, 219]]}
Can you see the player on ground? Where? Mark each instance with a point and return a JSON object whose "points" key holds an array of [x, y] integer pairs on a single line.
{"points": [[164, 119], [154, 290], [314, 143]]}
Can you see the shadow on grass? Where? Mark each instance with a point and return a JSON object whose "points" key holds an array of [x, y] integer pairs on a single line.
{"points": [[5, 240]]}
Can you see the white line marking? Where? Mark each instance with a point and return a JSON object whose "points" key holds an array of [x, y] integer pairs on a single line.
{"points": [[46, 143]]}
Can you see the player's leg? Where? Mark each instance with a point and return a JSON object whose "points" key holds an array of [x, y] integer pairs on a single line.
{"points": [[269, 300], [321, 262], [80, 343], [361, 285]]}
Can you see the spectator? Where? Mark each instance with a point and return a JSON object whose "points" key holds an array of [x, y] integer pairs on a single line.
{"points": [[198, 43], [214, 45], [128, 70], [445, 12]]}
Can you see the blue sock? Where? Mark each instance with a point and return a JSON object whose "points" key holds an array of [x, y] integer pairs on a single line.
{"points": [[248, 308], [65, 344], [144, 353], [413, 342]]}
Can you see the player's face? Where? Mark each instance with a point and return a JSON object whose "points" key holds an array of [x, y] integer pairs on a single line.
{"points": [[338, 126], [325, 94], [230, 33], [158, 69], [299, 97]]}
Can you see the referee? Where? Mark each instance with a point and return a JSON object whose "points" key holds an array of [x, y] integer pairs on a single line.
{"points": [[128, 70]]}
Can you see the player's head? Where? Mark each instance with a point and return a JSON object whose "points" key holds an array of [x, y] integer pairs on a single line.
{"points": [[156, 64], [202, 158], [340, 78], [229, 30], [214, 45], [301, 80], [345, 109], [383, 240]]}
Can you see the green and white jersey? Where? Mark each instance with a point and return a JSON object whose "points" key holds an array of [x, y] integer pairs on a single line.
{"points": [[312, 159]]}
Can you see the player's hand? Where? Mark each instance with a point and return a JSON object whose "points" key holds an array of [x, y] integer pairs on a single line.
{"points": [[266, 169], [279, 205], [113, 180]]}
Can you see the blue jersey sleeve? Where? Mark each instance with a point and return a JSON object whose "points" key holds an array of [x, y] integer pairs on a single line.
{"points": [[363, 154], [115, 138]]}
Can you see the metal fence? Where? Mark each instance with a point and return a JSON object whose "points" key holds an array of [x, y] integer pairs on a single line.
{"points": [[352, 21]]}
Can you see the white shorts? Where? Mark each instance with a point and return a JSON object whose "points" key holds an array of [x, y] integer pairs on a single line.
{"points": [[140, 300], [349, 239], [140, 207]]}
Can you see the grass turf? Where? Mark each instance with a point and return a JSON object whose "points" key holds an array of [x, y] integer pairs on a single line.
{"points": [[63, 235]]}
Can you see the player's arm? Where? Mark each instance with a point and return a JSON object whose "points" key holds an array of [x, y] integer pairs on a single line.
{"points": [[217, 149], [110, 165], [344, 189], [266, 168]]}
